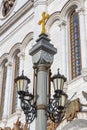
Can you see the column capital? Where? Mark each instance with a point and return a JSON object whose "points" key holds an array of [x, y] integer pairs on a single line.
{"points": [[21, 54], [43, 52], [80, 10], [9, 63], [62, 24]]}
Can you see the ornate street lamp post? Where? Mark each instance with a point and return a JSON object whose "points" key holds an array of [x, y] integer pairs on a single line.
{"points": [[42, 56], [56, 107], [26, 98], [36, 105]]}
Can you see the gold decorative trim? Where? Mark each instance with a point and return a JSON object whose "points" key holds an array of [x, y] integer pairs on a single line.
{"points": [[42, 68], [41, 106]]}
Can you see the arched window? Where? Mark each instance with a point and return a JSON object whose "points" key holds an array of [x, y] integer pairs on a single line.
{"points": [[4, 73], [75, 45], [16, 73]]}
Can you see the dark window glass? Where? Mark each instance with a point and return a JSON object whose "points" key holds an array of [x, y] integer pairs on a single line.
{"points": [[75, 45]]}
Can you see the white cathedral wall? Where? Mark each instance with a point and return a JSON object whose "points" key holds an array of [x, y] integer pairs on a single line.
{"points": [[17, 6], [56, 5], [19, 31], [54, 34], [16, 36], [86, 17]]}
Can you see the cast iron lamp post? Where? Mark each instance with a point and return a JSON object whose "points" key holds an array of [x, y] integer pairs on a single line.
{"points": [[55, 109], [38, 104], [26, 98]]}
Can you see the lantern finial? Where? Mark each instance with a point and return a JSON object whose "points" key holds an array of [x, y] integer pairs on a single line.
{"points": [[22, 72]]}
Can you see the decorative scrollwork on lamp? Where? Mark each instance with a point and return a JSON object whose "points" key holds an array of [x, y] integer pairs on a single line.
{"points": [[55, 110], [26, 98]]}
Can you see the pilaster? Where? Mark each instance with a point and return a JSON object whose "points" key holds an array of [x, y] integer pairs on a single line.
{"points": [[62, 26], [83, 40], [0, 83], [8, 92]]}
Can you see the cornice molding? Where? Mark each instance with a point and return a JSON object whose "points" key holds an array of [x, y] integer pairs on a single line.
{"points": [[36, 3], [16, 16]]}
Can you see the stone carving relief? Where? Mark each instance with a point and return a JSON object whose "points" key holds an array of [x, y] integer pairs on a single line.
{"points": [[5, 7], [72, 108]]}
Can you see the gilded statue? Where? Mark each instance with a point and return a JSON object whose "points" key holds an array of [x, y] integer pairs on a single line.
{"points": [[6, 6], [72, 108], [43, 21]]}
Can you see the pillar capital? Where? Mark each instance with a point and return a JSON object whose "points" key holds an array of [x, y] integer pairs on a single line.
{"points": [[62, 24], [9, 63], [21, 54], [43, 51], [80, 10]]}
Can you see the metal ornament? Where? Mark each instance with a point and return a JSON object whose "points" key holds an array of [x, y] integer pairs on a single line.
{"points": [[27, 104], [55, 111]]}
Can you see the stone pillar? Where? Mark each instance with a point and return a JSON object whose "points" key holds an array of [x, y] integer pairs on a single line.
{"points": [[8, 92], [21, 68], [83, 39], [42, 56], [62, 26], [39, 7]]}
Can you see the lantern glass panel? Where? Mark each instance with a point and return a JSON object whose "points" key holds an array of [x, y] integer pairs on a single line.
{"points": [[63, 100], [58, 83], [21, 84]]}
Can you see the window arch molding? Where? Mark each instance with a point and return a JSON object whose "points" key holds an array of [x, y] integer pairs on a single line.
{"points": [[65, 13], [69, 6], [15, 49], [53, 17], [26, 41], [3, 57]]}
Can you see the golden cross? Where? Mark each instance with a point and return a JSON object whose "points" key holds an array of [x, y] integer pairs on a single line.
{"points": [[43, 21]]}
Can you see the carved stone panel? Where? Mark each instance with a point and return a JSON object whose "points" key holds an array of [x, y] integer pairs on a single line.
{"points": [[6, 7]]}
